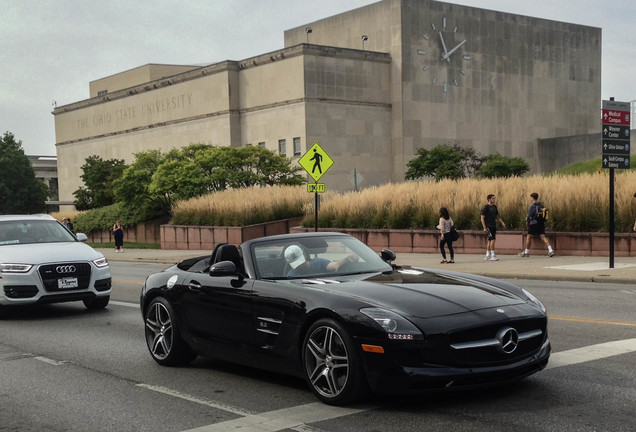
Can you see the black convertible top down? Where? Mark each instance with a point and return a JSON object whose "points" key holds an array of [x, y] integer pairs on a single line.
{"points": [[326, 307]]}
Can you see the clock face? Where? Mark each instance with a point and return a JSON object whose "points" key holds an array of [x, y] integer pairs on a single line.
{"points": [[444, 55]]}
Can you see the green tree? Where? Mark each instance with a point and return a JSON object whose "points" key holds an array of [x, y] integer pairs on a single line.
{"points": [[133, 187], [20, 191], [443, 161], [157, 180], [502, 166], [98, 177]]}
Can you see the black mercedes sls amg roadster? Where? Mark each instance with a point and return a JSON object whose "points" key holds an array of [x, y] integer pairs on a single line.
{"points": [[326, 307]]}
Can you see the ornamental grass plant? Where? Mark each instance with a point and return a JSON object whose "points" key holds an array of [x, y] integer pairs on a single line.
{"points": [[576, 203]]}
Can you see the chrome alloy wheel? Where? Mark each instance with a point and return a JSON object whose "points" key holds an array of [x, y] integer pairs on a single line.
{"points": [[326, 361], [159, 334]]}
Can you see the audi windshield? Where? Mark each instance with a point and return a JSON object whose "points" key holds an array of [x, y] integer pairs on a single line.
{"points": [[33, 231]]}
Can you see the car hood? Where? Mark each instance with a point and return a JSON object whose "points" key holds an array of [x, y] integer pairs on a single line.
{"points": [[427, 293], [38, 253]]}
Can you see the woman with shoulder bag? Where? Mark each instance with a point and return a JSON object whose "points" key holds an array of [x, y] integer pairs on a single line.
{"points": [[445, 238]]}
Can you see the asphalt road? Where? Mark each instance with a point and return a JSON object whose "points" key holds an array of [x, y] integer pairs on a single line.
{"points": [[63, 368]]}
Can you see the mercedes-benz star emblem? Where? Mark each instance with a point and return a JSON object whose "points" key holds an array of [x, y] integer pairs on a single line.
{"points": [[65, 269], [508, 340]]}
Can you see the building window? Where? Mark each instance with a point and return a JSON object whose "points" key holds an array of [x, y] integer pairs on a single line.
{"points": [[102, 92], [282, 147], [297, 146], [261, 144]]}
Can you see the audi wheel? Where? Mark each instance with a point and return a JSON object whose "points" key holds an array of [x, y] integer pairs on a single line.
{"points": [[332, 365], [162, 335]]}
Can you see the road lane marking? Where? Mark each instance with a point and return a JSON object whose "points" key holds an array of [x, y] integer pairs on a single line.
{"points": [[298, 417], [126, 304], [592, 321], [217, 405], [591, 353], [287, 418], [128, 282]]}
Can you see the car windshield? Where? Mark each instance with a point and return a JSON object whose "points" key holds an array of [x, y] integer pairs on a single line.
{"points": [[33, 231], [313, 256]]}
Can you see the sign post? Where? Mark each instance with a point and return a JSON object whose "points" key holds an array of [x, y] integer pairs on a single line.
{"points": [[316, 162], [615, 151]]}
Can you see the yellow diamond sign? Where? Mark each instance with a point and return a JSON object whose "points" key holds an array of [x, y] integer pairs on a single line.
{"points": [[316, 161]]}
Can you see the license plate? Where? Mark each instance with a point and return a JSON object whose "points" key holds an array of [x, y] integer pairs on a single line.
{"points": [[66, 283]]}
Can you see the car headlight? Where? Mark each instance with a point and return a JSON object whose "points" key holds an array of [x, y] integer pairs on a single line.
{"points": [[396, 326], [534, 300], [101, 262], [15, 268]]}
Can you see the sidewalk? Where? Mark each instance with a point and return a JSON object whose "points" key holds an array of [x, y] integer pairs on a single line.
{"points": [[563, 268]]}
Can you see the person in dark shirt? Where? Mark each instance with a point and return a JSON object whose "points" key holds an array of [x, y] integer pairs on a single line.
{"points": [[536, 227], [489, 217]]}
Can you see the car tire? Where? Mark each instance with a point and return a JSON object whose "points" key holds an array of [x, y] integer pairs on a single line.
{"points": [[331, 364], [97, 303], [162, 335]]}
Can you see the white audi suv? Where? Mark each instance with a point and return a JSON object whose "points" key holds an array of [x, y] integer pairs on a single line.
{"points": [[42, 262]]}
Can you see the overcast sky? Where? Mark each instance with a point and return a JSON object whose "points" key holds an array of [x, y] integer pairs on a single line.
{"points": [[51, 49]]}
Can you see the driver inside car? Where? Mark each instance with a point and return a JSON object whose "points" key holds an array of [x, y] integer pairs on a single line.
{"points": [[300, 265]]}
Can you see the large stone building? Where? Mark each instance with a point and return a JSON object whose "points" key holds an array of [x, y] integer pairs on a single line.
{"points": [[371, 85]]}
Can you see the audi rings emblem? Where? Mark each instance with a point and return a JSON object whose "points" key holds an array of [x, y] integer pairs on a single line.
{"points": [[508, 340], [65, 269]]}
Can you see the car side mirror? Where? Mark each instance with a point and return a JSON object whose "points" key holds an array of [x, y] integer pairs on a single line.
{"points": [[223, 268], [387, 255], [81, 237]]}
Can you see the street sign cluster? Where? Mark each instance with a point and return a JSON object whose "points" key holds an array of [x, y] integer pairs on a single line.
{"points": [[616, 148]]}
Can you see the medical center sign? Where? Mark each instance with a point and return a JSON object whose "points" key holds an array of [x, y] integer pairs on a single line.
{"points": [[616, 148]]}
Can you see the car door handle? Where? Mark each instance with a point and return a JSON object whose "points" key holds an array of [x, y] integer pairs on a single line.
{"points": [[194, 286]]}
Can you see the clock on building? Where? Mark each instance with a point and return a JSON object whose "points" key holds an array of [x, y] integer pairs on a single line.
{"points": [[445, 56]]}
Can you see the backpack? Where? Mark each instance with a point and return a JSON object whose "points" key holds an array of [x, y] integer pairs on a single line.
{"points": [[542, 213]]}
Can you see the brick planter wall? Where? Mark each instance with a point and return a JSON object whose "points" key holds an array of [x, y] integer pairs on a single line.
{"points": [[189, 237]]}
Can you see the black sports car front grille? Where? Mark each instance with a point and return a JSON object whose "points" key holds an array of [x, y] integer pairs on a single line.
{"points": [[493, 354], [52, 273], [438, 350]]}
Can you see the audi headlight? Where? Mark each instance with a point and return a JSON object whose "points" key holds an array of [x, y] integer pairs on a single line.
{"points": [[15, 268], [396, 326], [101, 262], [534, 300]]}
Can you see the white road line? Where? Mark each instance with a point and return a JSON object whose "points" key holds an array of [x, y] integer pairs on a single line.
{"points": [[221, 406], [130, 305], [298, 417], [590, 353], [281, 419], [50, 361]]}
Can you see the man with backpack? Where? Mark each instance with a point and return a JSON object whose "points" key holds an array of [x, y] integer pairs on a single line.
{"points": [[535, 223]]}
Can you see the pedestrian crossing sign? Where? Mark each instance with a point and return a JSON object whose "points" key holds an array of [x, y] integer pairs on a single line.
{"points": [[316, 161]]}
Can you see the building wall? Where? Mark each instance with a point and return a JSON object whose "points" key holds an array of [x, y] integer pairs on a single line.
{"points": [[136, 76], [370, 104], [262, 99], [527, 78]]}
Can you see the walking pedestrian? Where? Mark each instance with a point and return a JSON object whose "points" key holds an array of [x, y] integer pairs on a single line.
{"points": [[489, 217], [68, 224], [444, 227], [118, 235], [536, 226]]}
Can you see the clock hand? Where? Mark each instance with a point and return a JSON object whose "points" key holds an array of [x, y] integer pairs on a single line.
{"points": [[443, 43], [446, 56]]}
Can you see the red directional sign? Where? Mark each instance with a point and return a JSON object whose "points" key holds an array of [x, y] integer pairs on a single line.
{"points": [[615, 142], [614, 117]]}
